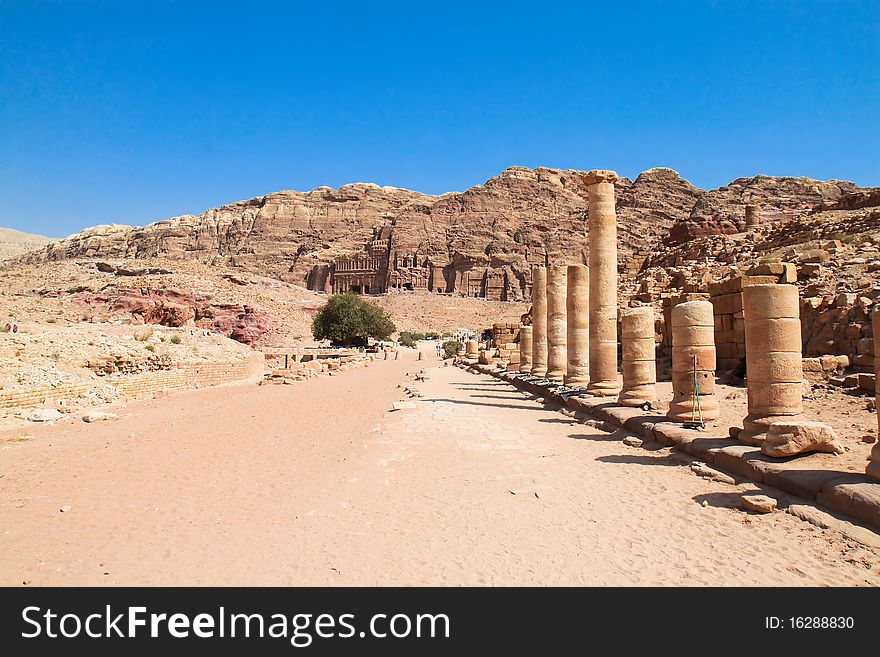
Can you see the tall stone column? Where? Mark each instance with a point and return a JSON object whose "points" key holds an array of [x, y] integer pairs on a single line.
{"points": [[873, 469], [603, 283], [639, 357], [525, 349], [753, 216], [557, 352], [539, 321], [774, 369], [577, 325], [693, 362]]}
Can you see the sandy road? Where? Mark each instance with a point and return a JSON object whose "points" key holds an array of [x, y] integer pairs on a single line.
{"points": [[319, 484]]}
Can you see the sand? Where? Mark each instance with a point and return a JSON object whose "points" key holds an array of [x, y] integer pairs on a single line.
{"points": [[320, 484]]}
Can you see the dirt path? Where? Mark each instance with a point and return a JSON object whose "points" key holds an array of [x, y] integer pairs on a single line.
{"points": [[319, 484]]}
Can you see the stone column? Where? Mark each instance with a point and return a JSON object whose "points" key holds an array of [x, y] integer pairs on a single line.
{"points": [[603, 283], [539, 321], [471, 349], [774, 368], [557, 352], [693, 336], [525, 349], [577, 325], [639, 357], [873, 469], [753, 216]]}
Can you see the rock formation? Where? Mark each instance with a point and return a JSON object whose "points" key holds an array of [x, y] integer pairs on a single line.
{"points": [[480, 242]]}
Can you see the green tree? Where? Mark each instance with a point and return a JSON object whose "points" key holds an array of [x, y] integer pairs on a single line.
{"points": [[346, 319], [409, 339], [450, 348]]}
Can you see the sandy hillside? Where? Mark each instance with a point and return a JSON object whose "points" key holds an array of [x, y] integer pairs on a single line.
{"points": [[15, 242]]}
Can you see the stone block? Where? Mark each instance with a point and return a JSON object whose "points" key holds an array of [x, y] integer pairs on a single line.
{"points": [[856, 496]]}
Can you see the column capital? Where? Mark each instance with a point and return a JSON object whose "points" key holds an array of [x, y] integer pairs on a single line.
{"points": [[600, 175]]}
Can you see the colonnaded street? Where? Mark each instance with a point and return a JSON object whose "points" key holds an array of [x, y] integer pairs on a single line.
{"points": [[322, 483]]}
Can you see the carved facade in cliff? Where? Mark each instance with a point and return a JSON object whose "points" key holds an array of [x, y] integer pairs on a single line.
{"points": [[377, 269]]}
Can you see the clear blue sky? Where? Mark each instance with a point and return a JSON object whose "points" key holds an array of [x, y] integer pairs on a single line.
{"points": [[133, 112]]}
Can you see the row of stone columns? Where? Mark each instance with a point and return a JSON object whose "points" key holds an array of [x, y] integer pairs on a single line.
{"points": [[573, 337]]}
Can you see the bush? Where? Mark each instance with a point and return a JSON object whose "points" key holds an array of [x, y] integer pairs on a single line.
{"points": [[450, 348], [346, 319], [175, 339], [143, 336], [409, 339]]}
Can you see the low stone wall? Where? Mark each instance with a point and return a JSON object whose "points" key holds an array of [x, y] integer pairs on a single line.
{"points": [[186, 375], [37, 396]]}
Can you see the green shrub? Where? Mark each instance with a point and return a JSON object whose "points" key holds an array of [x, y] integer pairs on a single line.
{"points": [[450, 348], [347, 320], [409, 339], [175, 339]]}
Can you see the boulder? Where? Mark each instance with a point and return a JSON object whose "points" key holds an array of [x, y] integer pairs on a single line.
{"points": [[44, 415], [758, 503], [798, 437], [97, 416]]}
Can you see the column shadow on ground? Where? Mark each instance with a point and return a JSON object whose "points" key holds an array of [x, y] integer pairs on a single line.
{"points": [[559, 421], [508, 397], [640, 459], [480, 388], [516, 407], [719, 500]]}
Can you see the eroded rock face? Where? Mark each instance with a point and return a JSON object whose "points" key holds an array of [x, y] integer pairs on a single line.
{"points": [[240, 322], [483, 240], [722, 211], [172, 307]]}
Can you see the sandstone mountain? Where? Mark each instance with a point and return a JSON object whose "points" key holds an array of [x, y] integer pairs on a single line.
{"points": [[15, 242], [480, 241]]}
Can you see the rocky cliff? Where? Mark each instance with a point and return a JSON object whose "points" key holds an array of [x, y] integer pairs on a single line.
{"points": [[483, 238]]}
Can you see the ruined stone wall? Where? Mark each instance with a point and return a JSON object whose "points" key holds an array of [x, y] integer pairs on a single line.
{"points": [[178, 376]]}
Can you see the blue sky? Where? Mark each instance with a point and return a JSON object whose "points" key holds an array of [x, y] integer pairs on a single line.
{"points": [[133, 112]]}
